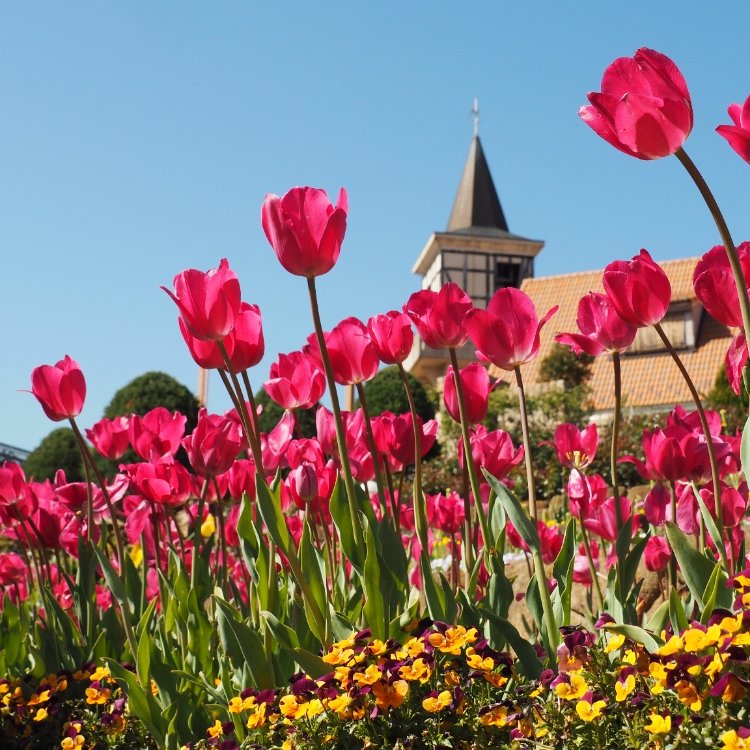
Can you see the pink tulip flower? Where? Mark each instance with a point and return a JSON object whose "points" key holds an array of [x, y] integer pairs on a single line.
{"points": [[738, 134], [604, 524], [507, 332], [644, 107], [354, 358], [157, 433], [657, 505], [585, 493], [110, 437], [392, 336], [205, 352], [59, 388], [439, 316], [446, 512], [274, 444], [305, 230], [402, 447], [475, 382], [581, 569], [735, 361], [576, 449], [657, 553], [12, 483], [214, 444], [714, 285], [493, 451], [241, 479], [245, 344], [639, 289], [296, 381], [209, 302], [162, 482], [601, 327]]}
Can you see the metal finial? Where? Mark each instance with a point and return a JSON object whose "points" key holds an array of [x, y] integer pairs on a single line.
{"points": [[475, 113]]}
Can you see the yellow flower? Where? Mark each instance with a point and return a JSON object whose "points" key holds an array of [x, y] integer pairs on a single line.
{"points": [[589, 711], [41, 714], [624, 689], [338, 656], [495, 717], [97, 697], [418, 670], [136, 555], [370, 676], [433, 705], [577, 688], [390, 695], [659, 724], [629, 657], [377, 647], [290, 708], [413, 647], [453, 640], [615, 642], [475, 661], [208, 527], [694, 640], [673, 646], [35, 699], [216, 730], [689, 695], [258, 717], [340, 705], [237, 705], [732, 741]]}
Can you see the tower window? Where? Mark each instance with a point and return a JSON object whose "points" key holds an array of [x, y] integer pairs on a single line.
{"points": [[507, 274]]}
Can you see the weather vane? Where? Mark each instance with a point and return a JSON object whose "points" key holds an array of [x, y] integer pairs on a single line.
{"points": [[475, 113]]}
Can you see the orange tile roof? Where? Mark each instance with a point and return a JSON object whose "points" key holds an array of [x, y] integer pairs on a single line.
{"points": [[648, 379]]}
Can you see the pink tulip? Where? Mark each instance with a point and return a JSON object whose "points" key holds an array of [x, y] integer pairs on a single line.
{"points": [[205, 352], [576, 448], [241, 479], [274, 444], [209, 302], [507, 332], [585, 494], [305, 230], [492, 450], [714, 285], [110, 437], [446, 512], [657, 505], [738, 134], [551, 539], [311, 487], [475, 382], [59, 388], [644, 108], [402, 448], [157, 433], [601, 328], [439, 316], [735, 361], [354, 358], [214, 444], [12, 483], [657, 553], [604, 524], [162, 482], [296, 381], [639, 289], [392, 336], [581, 569], [245, 344]]}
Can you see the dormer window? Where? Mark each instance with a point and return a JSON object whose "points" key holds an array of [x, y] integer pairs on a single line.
{"points": [[681, 325]]}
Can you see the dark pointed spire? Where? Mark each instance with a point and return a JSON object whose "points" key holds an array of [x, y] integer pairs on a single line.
{"points": [[476, 204]]}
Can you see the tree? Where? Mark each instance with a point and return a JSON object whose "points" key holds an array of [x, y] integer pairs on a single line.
{"points": [[58, 450], [562, 364], [150, 390], [385, 392]]}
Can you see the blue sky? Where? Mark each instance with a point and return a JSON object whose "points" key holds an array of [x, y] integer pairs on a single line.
{"points": [[138, 139]]}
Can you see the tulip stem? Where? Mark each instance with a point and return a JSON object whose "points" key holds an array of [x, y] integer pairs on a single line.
{"points": [[613, 451], [340, 435], [418, 500], [487, 539], [373, 448], [672, 556], [124, 608], [541, 575], [726, 237], [248, 425], [704, 424], [592, 568], [197, 532], [253, 413]]}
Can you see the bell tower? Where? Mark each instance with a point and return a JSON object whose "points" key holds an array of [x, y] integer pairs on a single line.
{"points": [[477, 251]]}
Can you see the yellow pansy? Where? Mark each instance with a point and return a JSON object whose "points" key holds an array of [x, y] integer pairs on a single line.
{"points": [[438, 703], [624, 688], [659, 724], [614, 643], [576, 688], [589, 711]]}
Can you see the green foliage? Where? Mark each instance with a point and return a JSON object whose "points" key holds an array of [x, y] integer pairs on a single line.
{"points": [[385, 392], [562, 364], [58, 450], [272, 413], [733, 408], [150, 390]]}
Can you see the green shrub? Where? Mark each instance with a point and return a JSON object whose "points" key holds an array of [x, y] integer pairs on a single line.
{"points": [[58, 450]]}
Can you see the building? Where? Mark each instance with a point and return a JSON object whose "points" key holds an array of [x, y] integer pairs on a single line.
{"points": [[478, 252]]}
